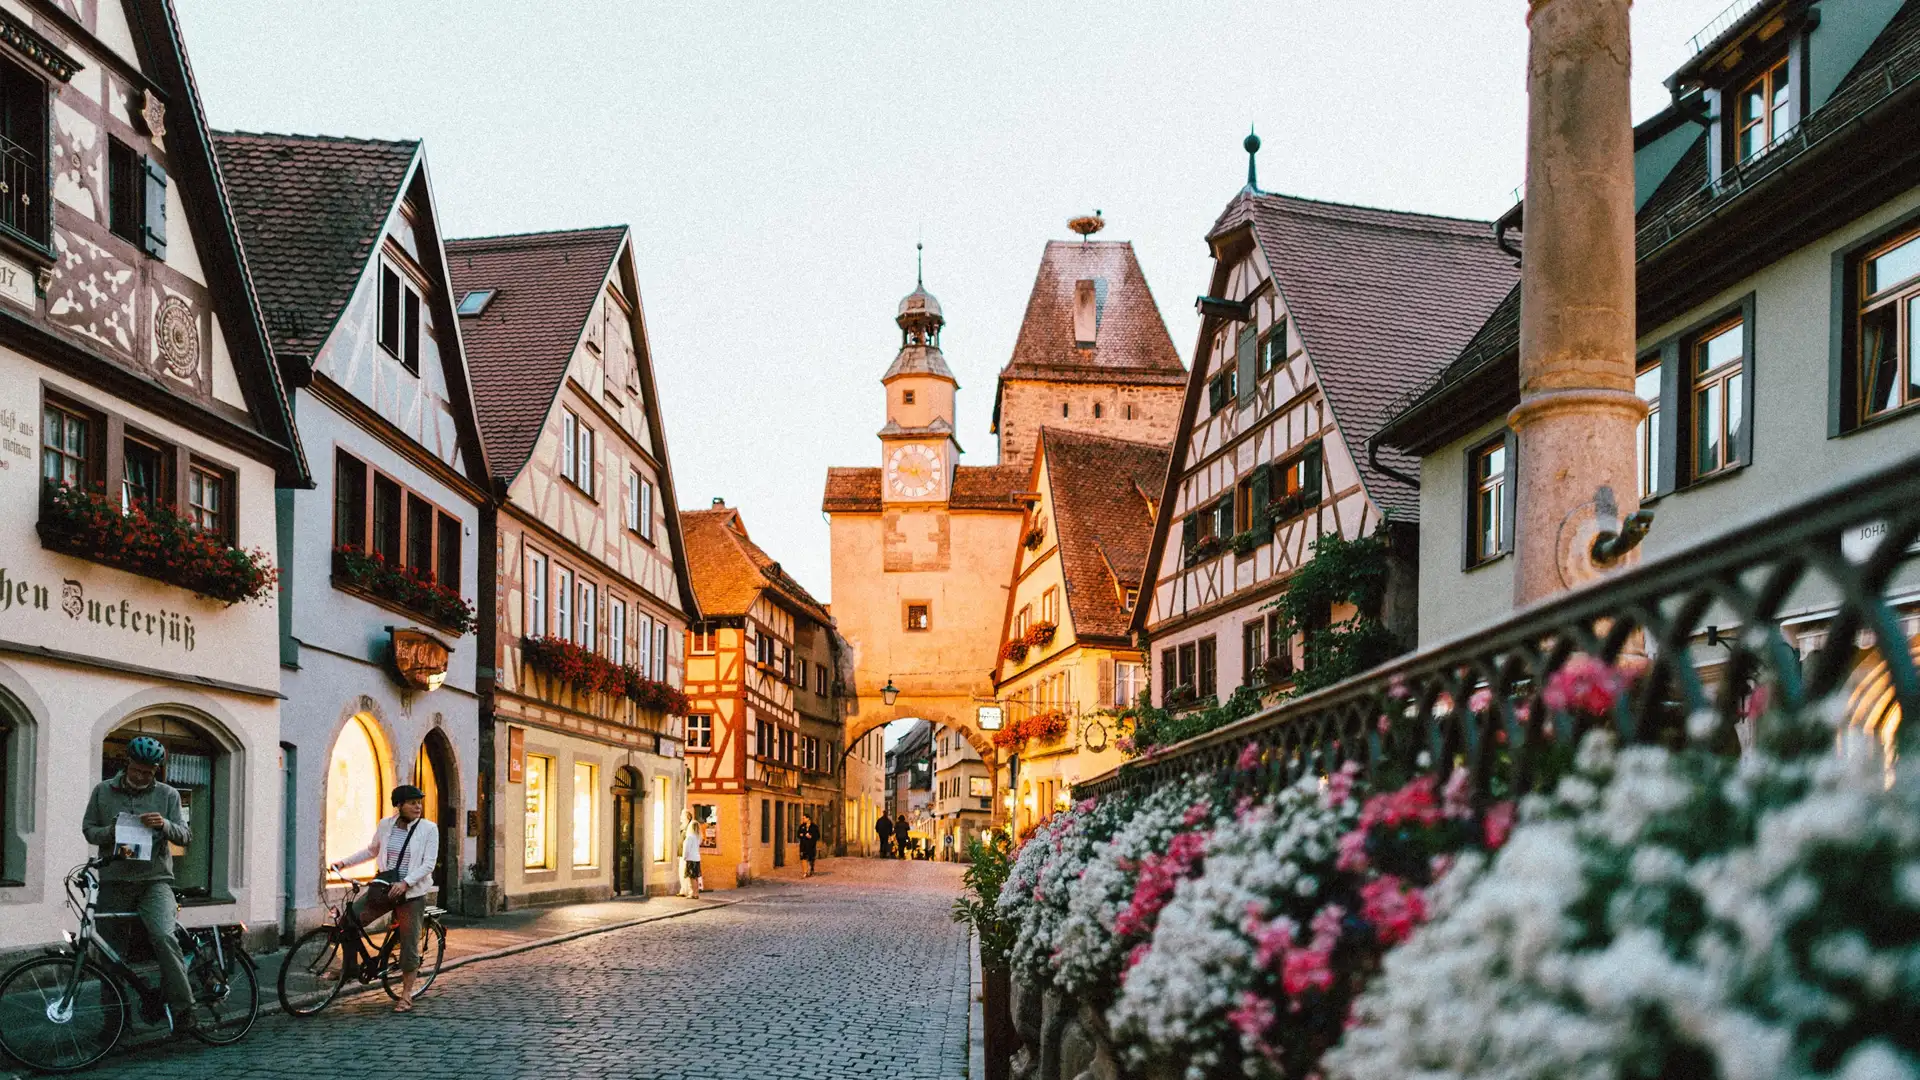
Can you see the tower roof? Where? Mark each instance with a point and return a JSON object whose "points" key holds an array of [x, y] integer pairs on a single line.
{"points": [[920, 322]]}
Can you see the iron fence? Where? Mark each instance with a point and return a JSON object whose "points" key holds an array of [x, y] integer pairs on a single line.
{"points": [[1786, 610]]}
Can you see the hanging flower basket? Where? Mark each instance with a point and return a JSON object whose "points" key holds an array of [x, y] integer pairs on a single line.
{"points": [[154, 542], [405, 586], [1015, 650], [1040, 635]]}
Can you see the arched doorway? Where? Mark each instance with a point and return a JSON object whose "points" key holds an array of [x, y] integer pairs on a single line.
{"points": [[435, 776], [358, 781], [196, 766], [628, 790], [1873, 704]]}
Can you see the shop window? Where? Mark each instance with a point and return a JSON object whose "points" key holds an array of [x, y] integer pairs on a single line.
{"points": [[662, 850], [539, 816], [357, 789], [586, 815], [197, 766]]}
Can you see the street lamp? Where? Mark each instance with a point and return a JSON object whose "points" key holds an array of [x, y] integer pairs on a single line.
{"points": [[889, 693]]}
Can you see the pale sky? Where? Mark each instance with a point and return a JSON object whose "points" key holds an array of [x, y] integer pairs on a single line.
{"points": [[777, 162]]}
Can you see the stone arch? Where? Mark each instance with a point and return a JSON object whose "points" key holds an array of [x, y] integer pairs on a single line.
{"points": [[22, 785], [206, 763], [436, 771], [360, 718], [871, 720]]}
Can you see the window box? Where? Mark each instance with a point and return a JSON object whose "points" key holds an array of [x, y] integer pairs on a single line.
{"points": [[1015, 650], [409, 588], [1040, 635], [151, 540], [654, 694], [1035, 536], [1243, 543], [1205, 548], [581, 668], [1180, 697], [1040, 727]]}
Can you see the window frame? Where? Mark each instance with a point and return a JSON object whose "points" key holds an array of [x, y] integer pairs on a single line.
{"points": [[36, 231], [1676, 398], [409, 310], [1716, 381], [92, 458], [592, 773], [546, 818], [224, 522], [906, 616], [1775, 77], [536, 588], [616, 630], [440, 522], [700, 733], [1507, 444], [1268, 361], [1852, 303]]}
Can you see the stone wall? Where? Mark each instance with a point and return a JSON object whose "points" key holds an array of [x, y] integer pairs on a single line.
{"points": [[1063, 1039], [1137, 413]]}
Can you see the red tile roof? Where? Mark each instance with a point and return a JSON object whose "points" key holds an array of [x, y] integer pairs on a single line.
{"points": [[519, 347], [310, 209], [975, 487], [1131, 343], [730, 571], [1383, 300], [1098, 487]]}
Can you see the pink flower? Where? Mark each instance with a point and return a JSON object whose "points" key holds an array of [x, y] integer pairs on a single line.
{"points": [[1326, 926], [1249, 757], [1340, 784], [1353, 851], [1481, 700], [1457, 799], [1155, 883], [1196, 813], [1392, 909], [1271, 941], [1397, 687], [1756, 704], [1584, 686], [1243, 807], [1136, 954], [1383, 725], [1307, 969], [1443, 704], [1252, 1017], [1414, 803], [1499, 823]]}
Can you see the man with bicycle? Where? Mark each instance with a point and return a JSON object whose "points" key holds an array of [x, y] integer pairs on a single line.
{"points": [[144, 886], [407, 846]]}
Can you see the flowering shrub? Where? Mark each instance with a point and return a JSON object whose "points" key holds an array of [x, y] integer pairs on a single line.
{"points": [[1044, 875], [1040, 727], [154, 542], [1672, 914], [411, 587], [1015, 650], [1040, 635], [653, 693], [1128, 881], [583, 669]]}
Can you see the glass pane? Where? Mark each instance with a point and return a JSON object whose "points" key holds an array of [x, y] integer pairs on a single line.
{"points": [[1487, 514], [584, 842], [1647, 383], [1735, 404], [1495, 462], [1723, 347], [1706, 427], [355, 792], [1894, 267], [536, 818], [1913, 349], [1879, 364]]}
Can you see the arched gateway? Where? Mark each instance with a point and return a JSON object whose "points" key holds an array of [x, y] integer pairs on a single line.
{"points": [[921, 548]]}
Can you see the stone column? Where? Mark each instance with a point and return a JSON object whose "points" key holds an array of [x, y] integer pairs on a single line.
{"points": [[1577, 412]]}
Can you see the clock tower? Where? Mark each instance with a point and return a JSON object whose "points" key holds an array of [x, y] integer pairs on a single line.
{"points": [[918, 454]]}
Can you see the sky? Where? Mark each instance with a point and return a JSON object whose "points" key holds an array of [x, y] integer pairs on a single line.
{"points": [[778, 162]]}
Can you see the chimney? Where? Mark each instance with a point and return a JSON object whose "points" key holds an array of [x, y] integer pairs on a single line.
{"points": [[1576, 482], [719, 503]]}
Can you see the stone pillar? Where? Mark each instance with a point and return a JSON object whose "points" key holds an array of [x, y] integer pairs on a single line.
{"points": [[1577, 412]]}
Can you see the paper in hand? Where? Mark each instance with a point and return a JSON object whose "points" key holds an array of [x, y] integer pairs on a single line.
{"points": [[130, 834]]}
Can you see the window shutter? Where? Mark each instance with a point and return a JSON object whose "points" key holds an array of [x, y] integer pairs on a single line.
{"points": [[1310, 474], [1743, 440], [1189, 532], [1673, 416], [411, 351], [1104, 689], [1262, 491], [154, 238], [1509, 493], [1223, 526], [1249, 362], [1215, 393]]}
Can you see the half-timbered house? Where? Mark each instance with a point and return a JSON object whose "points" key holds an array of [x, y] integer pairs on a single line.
{"points": [[581, 733], [1317, 317], [143, 431], [764, 731], [378, 570]]}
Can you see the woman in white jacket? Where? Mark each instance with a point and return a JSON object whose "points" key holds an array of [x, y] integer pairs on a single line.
{"points": [[407, 846]]}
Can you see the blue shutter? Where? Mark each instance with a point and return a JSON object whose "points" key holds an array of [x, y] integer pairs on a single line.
{"points": [[154, 234]]}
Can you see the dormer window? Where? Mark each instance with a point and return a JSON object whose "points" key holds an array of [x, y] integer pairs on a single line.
{"points": [[1764, 112]]}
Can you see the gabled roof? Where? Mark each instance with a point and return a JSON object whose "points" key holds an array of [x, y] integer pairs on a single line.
{"points": [[519, 347], [1103, 521], [856, 489], [1382, 300], [1131, 344], [730, 571], [310, 209]]}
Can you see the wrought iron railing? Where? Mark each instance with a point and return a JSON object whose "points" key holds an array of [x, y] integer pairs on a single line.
{"points": [[1720, 24], [1828, 570], [22, 175]]}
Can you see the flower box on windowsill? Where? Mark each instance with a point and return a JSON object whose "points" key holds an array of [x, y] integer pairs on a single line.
{"points": [[1180, 697], [154, 542], [1205, 548], [1040, 635], [654, 694], [1289, 506], [1015, 650], [369, 574], [1243, 543]]}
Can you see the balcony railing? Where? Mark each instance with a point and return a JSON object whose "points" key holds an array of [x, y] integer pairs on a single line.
{"points": [[1795, 606], [22, 175]]}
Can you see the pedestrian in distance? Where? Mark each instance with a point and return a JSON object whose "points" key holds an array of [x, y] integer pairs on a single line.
{"points": [[809, 836], [690, 853], [883, 828], [407, 846], [900, 829], [946, 847], [140, 877]]}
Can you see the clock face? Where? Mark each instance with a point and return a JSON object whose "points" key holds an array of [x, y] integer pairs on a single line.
{"points": [[913, 471]]}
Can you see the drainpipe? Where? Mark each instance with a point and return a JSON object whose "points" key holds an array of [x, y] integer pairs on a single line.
{"points": [[1577, 411]]}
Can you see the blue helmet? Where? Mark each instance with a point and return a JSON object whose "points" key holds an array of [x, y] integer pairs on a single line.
{"points": [[146, 750]]}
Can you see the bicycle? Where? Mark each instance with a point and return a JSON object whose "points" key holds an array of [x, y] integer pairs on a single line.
{"points": [[317, 968], [66, 1010]]}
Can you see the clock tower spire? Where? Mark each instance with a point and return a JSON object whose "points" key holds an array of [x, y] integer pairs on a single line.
{"points": [[918, 451]]}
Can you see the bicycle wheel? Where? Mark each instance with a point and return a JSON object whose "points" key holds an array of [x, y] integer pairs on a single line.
{"points": [[433, 948], [225, 1001], [57, 1018], [313, 973]]}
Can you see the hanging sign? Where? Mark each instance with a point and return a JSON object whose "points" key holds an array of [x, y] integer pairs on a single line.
{"points": [[516, 755], [989, 718], [419, 658]]}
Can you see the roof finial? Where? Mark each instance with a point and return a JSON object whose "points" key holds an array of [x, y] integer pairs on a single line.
{"points": [[919, 275], [1252, 145]]}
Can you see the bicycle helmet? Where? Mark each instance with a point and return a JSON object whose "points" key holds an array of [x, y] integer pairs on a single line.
{"points": [[407, 793], [146, 750]]}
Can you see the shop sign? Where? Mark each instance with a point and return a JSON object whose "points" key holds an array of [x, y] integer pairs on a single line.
{"points": [[21, 597], [419, 658], [989, 718], [516, 755], [16, 284]]}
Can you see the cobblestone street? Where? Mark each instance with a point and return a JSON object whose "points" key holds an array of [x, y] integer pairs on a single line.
{"points": [[856, 973]]}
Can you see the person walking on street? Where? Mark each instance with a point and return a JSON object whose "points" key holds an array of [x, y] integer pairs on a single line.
{"points": [[900, 829], [690, 853], [883, 828], [141, 879], [407, 846], [809, 836]]}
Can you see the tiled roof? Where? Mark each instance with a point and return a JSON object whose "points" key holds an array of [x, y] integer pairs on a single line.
{"points": [[729, 570], [1130, 344], [1382, 300], [519, 347], [975, 487], [309, 209], [919, 360], [1101, 517]]}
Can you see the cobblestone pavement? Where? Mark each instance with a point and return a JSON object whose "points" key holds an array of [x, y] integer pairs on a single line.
{"points": [[858, 972]]}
